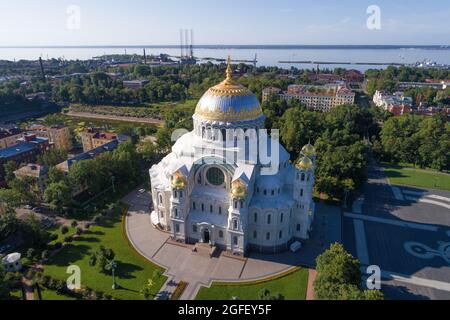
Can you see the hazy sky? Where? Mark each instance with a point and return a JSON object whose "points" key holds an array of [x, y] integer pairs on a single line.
{"points": [[137, 22]]}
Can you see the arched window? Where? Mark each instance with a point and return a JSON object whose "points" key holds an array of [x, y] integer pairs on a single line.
{"points": [[175, 194], [242, 204], [193, 205], [281, 217], [211, 208], [268, 236], [235, 241], [301, 192], [220, 210], [203, 207], [269, 218], [160, 199], [176, 213], [255, 234], [280, 235], [235, 224], [303, 177], [255, 215], [220, 234]]}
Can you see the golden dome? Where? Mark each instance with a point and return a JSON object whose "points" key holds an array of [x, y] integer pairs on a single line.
{"points": [[178, 181], [228, 101], [304, 163], [308, 150], [238, 190]]}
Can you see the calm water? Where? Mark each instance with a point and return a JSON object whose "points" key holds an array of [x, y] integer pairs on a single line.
{"points": [[266, 57]]}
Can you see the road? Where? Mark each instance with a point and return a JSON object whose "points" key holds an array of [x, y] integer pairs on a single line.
{"points": [[87, 115], [406, 232]]}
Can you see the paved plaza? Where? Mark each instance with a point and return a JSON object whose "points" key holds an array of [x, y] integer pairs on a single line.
{"points": [[182, 264], [406, 232]]}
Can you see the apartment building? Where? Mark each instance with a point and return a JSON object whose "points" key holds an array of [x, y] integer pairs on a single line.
{"points": [[58, 135], [319, 98], [9, 137]]}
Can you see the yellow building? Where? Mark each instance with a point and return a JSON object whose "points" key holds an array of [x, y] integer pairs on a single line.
{"points": [[94, 137], [59, 135], [9, 138]]}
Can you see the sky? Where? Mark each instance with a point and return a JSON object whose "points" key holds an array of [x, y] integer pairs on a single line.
{"points": [[152, 22]]}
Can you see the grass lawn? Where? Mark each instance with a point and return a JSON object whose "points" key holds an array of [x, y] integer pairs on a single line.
{"points": [[133, 270], [51, 295], [418, 178], [292, 286]]}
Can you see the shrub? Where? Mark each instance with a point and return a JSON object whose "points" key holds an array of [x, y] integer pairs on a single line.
{"points": [[31, 253], [60, 286], [53, 237], [64, 229], [74, 224], [79, 231], [92, 260], [45, 254], [68, 239], [26, 262], [44, 281]]}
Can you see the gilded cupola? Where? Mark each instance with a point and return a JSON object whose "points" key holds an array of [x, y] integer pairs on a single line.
{"points": [[308, 150], [178, 181], [229, 101], [304, 163], [238, 190]]}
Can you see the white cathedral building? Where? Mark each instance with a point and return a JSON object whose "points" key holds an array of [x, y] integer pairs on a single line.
{"points": [[202, 194]]}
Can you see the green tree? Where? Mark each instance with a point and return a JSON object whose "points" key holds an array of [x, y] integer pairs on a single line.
{"points": [[339, 277], [58, 194], [9, 168]]}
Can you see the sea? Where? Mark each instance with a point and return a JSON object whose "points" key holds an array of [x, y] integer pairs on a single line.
{"points": [[354, 57]]}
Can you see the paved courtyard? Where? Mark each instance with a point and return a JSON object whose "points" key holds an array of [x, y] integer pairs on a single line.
{"points": [[182, 264]]}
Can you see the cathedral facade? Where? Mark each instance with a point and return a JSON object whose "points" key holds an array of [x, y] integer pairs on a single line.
{"points": [[216, 187]]}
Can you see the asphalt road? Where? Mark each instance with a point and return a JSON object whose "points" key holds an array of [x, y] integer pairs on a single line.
{"points": [[406, 232]]}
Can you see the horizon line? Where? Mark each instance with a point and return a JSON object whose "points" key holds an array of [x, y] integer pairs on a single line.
{"points": [[237, 46]]}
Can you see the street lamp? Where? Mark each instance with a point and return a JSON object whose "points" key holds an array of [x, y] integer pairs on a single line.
{"points": [[112, 265]]}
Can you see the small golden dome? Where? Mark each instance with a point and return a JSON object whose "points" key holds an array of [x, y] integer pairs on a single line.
{"points": [[304, 163], [238, 190], [178, 181], [308, 150]]}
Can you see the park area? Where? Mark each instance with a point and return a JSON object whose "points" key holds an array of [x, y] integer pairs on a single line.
{"points": [[418, 178], [291, 285], [133, 271]]}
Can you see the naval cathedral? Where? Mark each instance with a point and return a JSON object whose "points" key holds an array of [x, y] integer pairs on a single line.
{"points": [[216, 186]]}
